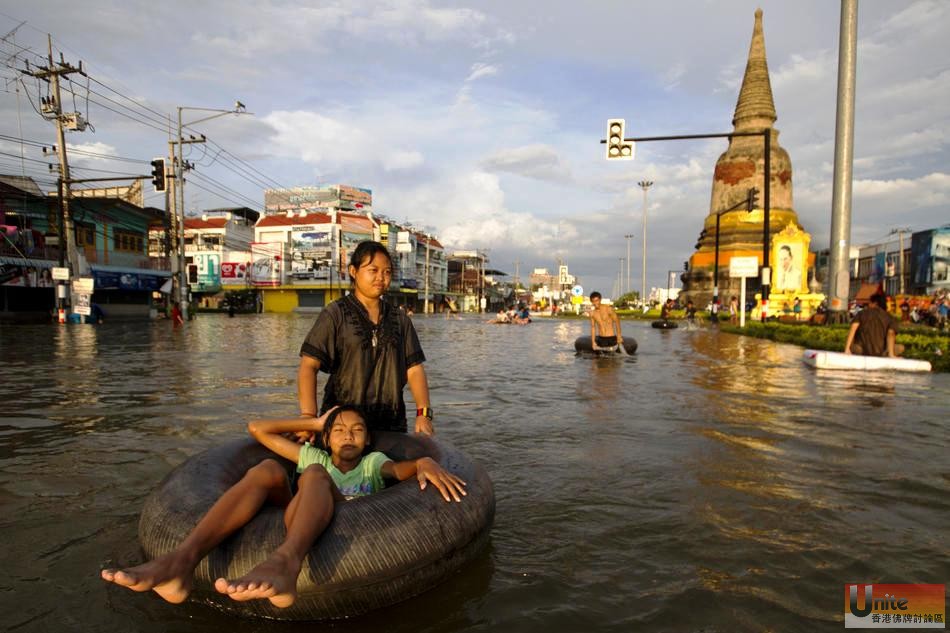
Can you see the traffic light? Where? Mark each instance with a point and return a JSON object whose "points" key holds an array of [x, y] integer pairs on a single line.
{"points": [[753, 199], [158, 174], [192, 273], [617, 148]]}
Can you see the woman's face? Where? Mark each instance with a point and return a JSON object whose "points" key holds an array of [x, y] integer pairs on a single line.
{"points": [[785, 259], [373, 277]]}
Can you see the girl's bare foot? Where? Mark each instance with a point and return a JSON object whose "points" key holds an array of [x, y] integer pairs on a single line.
{"points": [[274, 579], [170, 576]]}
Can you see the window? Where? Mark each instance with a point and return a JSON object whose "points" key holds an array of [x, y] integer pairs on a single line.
{"points": [[128, 241], [85, 235]]}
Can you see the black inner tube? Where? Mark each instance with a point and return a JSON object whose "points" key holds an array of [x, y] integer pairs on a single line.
{"points": [[378, 550]]}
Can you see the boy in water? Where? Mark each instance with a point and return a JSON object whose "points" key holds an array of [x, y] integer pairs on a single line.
{"points": [[604, 326], [326, 479]]}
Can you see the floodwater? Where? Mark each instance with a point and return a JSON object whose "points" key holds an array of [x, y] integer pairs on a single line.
{"points": [[709, 483]]}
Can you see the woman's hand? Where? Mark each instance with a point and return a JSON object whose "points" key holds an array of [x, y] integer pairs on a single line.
{"points": [[448, 484], [424, 425]]}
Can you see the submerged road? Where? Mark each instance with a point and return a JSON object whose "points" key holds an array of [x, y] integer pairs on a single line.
{"points": [[710, 482]]}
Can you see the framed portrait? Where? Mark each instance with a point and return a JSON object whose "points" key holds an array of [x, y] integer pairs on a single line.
{"points": [[789, 267]]}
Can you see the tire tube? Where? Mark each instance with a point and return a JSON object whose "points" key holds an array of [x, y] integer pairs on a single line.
{"points": [[584, 344], [377, 550], [665, 324]]}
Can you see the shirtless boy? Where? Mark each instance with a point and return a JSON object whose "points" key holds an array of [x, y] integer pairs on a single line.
{"points": [[604, 325]]}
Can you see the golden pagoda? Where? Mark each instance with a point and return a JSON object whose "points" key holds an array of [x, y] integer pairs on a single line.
{"points": [[738, 169]]}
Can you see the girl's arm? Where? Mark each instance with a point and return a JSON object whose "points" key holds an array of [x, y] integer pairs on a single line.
{"points": [[270, 433], [426, 469]]}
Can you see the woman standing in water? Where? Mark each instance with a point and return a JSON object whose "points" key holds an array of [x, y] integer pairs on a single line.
{"points": [[369, 349]]}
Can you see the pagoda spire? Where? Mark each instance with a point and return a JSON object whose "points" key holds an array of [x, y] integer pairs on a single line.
{"points": [[755, 109]]}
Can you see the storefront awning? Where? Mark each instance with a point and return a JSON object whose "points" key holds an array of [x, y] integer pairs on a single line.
{"points": [[119, 278]]}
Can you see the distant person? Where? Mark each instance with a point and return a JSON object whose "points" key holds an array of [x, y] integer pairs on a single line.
{"points": [[733, 310], [690, 313], [327, 480], [797, 309], [97, 315], [873, 331], [905, 311], [177, 319], [665, 310], [604, 325]]}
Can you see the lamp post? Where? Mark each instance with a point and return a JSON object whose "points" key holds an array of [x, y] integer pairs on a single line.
{"points": [[645, 185], [180, 190], [620, 279], [628, 236]]}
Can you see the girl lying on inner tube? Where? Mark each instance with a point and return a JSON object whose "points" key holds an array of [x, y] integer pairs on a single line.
{"points": [[325, 480]]}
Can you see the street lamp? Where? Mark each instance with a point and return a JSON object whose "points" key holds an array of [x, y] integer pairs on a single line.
{"points": [[180, 190], [644, 184], [627, 237], [620, 279]]}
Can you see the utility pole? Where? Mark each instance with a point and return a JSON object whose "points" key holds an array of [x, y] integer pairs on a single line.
{"points": [[171, 199], [54, 106], [517, 266], [900, 262], [839, 281], [620, 279], [628, 236], [645, 185], [425, 309], [180, 168]]}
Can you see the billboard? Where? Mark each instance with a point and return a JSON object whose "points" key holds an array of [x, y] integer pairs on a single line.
{"points": [[209, 272], [266, 263], [234, 273], [356, 194]]}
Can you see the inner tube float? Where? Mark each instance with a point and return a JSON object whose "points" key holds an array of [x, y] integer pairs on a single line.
{"points": [[583, 344], [665, 324], [377, 550]]}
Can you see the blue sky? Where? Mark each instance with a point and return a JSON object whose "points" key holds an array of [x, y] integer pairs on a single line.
{"points": [[482, 120]]}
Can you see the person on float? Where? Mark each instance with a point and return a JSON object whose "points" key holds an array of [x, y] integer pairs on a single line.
{"points": [[604, 325], [873, 331], [326, 479]]}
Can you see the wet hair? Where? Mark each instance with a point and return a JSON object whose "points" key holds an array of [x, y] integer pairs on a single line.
{"points": [[880, 300], [365, 251], [332, 419], [595, 295]]}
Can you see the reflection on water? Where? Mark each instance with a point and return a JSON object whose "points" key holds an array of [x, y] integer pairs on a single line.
{"points": [[710, 482]]}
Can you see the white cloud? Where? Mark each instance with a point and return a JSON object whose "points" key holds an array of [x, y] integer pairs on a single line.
{"points": [[480, 70], [538, 161], [324, 140], [671, 78]]}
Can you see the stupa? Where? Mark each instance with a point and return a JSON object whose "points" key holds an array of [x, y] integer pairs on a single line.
{"points": [[738, 169]]}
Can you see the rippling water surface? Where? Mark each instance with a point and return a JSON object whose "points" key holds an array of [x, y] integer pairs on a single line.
{"points": [[709, 483]]}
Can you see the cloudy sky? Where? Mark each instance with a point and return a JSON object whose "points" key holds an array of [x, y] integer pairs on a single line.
{"points": [[482, 121]]}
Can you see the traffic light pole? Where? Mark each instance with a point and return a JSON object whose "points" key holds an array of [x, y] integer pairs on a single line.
{"points": [[766, 135], [749, 205]]}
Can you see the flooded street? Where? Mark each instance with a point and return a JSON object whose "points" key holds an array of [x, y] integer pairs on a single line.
{"points": [[710, 482]]}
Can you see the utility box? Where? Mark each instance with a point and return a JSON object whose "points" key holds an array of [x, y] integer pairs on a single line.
{"points": [[74, 121]]}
